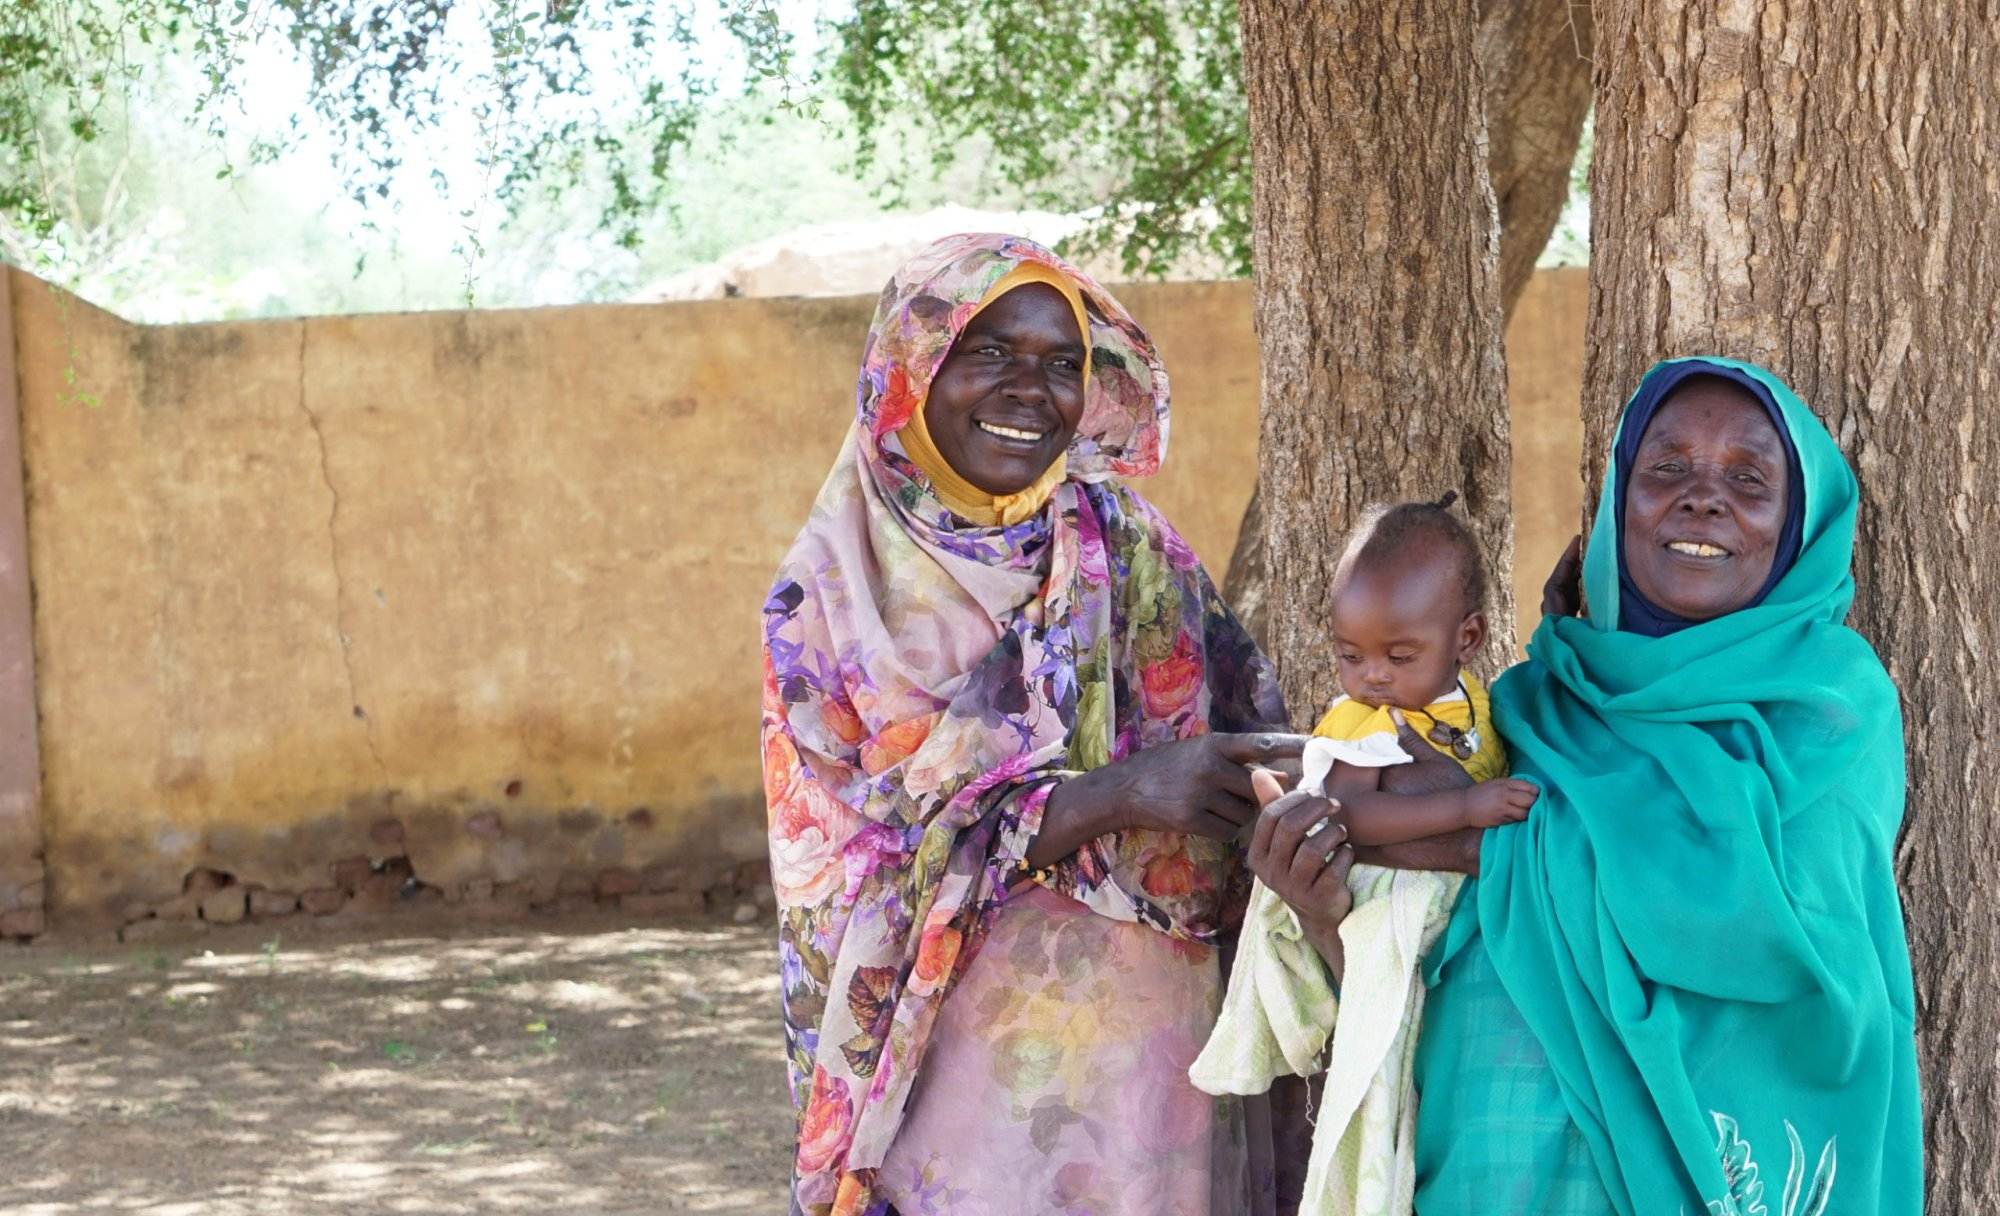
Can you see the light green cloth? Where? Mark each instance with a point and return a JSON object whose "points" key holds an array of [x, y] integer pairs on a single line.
{"points": [[1280, 1009], [1699, 921]]}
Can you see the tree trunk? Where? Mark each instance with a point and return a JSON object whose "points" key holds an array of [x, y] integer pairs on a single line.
{"points": [[1535, 55], [1812, 187], [1377, 300], [1535, 59]]}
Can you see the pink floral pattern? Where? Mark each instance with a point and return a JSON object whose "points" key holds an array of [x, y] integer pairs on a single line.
{"points": [[927, 680]]}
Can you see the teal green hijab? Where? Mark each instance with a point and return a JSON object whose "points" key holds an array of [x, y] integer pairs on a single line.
{"points": [[1699, 919]]}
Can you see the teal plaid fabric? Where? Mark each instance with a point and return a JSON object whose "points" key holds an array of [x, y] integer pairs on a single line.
{"points": [[1497, 1138]]}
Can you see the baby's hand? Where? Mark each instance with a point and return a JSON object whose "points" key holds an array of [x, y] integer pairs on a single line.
{"points": [[1502, 800]]}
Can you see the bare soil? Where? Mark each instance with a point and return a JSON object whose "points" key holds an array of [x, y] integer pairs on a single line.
{"points": [[406, 1065]]}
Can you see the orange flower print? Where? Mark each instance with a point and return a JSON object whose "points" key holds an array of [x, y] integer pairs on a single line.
{"points": [[773, 704], [841, 719], [781, 769], [1169, 686], [847, 1200], [823, 1127], [1169, 875], [935, 956], [895, 745], [897, 402]]}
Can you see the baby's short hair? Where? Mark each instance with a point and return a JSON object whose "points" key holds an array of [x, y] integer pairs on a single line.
{"points": [[1388, 531]]}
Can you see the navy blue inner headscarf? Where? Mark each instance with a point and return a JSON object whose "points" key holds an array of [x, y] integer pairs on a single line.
{"points": [[1636, 613]]}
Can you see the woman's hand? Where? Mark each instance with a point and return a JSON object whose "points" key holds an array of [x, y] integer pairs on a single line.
{"points": [[1430, 771], [1199, 786], [1562, 595], [1300, 851]]}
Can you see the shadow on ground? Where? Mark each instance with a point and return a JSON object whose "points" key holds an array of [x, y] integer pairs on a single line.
{"points": [[571, 1067]]}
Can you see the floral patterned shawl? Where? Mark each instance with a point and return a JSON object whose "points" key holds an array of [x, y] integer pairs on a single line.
{"points": [[926, 680]]}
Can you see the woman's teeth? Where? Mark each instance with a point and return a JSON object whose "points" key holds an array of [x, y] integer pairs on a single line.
{"points": [[1693, 549], [1008, 432]]}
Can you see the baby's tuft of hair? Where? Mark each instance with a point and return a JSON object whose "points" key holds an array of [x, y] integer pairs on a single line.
{"points": [[1392, 532]]}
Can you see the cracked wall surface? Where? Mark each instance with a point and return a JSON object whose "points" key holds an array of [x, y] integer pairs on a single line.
{"points": [[464, 604]]}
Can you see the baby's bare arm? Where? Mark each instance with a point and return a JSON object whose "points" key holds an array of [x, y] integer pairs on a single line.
{"points": [[1377, 818]]}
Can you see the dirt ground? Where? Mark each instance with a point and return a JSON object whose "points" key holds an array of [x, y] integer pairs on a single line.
{"points": [[404, 1065]]}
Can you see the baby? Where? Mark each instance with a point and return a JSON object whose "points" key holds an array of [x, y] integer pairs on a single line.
{"points": [[1407, 617]]}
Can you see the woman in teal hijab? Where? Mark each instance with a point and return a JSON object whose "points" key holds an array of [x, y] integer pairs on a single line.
{"points": [[1681, 986]]}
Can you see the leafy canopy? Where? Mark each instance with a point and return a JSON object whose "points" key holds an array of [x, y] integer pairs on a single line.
{"points": [[1137, 102]]}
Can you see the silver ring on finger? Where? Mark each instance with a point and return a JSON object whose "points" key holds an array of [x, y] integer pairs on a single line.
{"points": [[1334, 852], [1319, 825]]}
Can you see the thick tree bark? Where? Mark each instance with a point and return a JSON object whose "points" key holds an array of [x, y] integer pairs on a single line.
{"points": [[1813, 187], [1534, 57], [1378, 297]]}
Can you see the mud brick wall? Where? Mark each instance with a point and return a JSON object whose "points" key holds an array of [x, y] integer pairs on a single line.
{"points": [[463, 607]]}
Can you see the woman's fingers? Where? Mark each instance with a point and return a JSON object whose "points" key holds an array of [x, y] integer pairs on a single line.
{"points": [[1214, 826], [1263, 747], [1309, 825], [1294, 815], [1287, 769], [1430, 770], [1264, 786], [1340, 867], [1266, 828], [1227, 806], [1235, 778], [1330, 890], [1314, 855]]}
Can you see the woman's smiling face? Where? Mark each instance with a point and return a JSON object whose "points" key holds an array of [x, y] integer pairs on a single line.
{"points": [[1706, 501], [1007, 399]]}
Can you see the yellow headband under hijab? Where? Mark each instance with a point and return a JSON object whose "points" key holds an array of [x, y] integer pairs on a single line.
{"points": [[960, 496]]}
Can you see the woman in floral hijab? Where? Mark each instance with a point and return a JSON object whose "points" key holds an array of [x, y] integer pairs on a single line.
{"points": [[1005, 754]]}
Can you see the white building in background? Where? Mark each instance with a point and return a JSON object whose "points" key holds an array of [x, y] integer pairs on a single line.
{"points": [[856, 258]]}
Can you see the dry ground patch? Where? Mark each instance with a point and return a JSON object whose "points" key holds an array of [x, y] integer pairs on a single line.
{"points": [[403, 1065]]}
